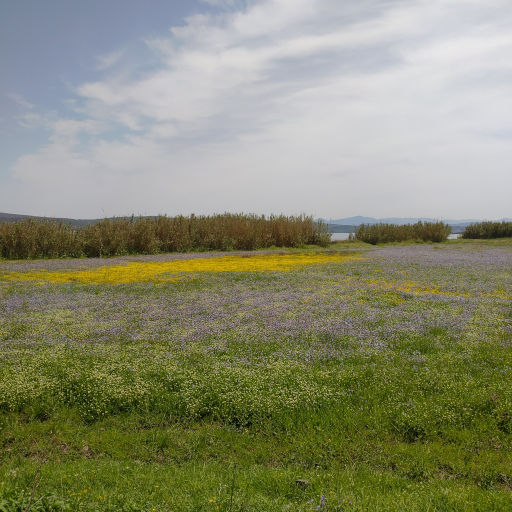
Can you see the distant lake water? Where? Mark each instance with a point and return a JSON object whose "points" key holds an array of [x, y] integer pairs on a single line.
{"points": [[339, 236], [344, 236]]}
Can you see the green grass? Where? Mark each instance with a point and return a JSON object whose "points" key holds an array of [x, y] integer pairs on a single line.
{"points": [[264, 392], [149, 463]]}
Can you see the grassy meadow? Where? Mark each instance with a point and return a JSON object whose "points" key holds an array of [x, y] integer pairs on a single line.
{"points": [[352, 377]]}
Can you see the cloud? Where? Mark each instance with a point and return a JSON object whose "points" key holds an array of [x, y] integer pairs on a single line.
{"points": [[26, 115], [222, 3], [109, 60], [288, 105]]}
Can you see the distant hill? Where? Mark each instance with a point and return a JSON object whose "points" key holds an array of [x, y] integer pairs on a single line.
{"points": [[341, 228], [12, 217], [356, 221], [348, 224]]}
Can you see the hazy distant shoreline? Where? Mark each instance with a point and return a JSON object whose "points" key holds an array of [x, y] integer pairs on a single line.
{"points": [[346, 225]]}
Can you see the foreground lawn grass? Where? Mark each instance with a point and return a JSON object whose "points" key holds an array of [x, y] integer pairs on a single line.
{"points": [[354, 379]]}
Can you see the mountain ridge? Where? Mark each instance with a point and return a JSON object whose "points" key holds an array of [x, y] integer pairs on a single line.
{"points": [[344, 225], [357, 220], [348, 224]]}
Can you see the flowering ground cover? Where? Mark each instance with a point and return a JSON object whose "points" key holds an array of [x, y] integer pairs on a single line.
{"points": [[351, 378]]}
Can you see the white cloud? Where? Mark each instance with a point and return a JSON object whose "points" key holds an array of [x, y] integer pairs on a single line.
{"points": [[26, 116], [338, 108], [109, 60]]}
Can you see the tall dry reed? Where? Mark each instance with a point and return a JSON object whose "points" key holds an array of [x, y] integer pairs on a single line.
{"points": [[30, 238]]}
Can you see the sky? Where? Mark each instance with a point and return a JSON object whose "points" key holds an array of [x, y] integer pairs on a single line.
{"points": [[383, 108]]}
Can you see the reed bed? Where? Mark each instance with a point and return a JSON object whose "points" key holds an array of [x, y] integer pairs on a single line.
{"points": [[386, 233], [32, 239], [488, 229]]}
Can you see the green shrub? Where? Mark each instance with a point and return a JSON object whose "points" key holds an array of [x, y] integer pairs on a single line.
{"points": [[488, 229], [386, 233]]}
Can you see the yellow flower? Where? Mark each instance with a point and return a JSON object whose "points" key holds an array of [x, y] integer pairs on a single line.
{"points": [[168, 271]]}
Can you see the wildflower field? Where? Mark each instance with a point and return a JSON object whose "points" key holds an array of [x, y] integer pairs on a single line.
{"points": [[353, 378]]}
